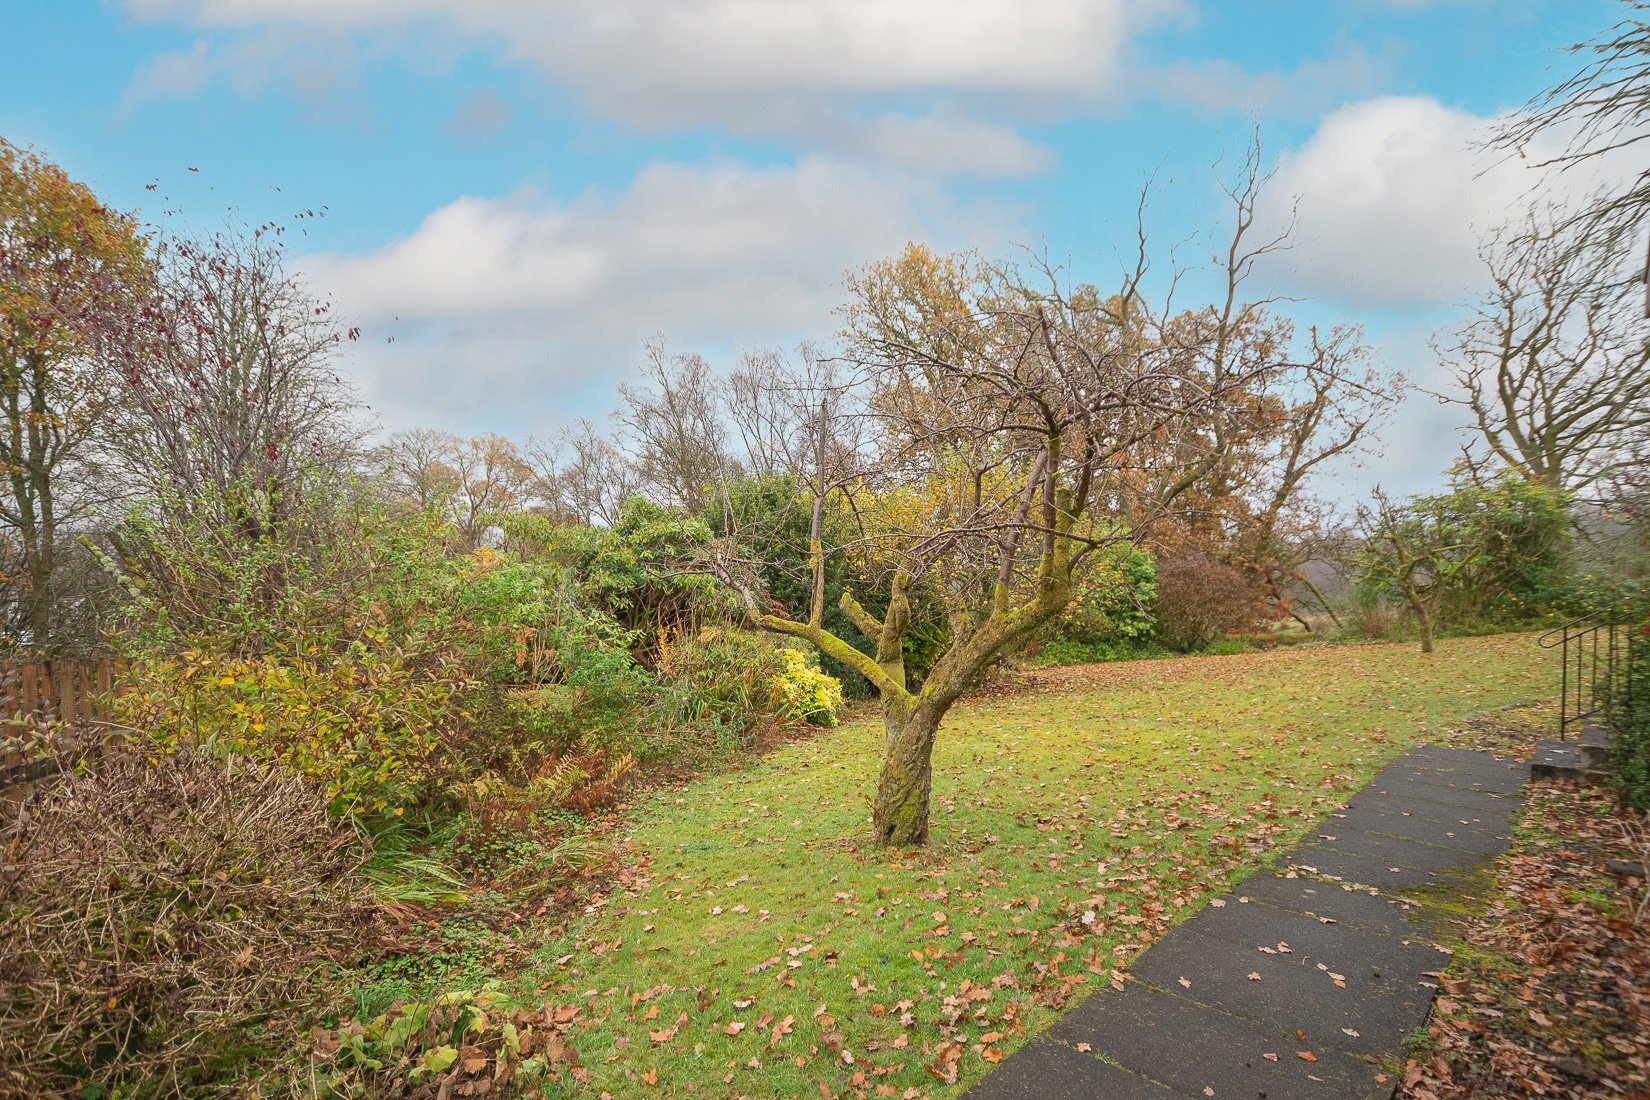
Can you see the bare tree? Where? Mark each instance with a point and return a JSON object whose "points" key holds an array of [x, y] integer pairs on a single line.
{"points": [[471, 482], [676, 421], [1286, 429], [589, 475], [1600, 109], [419, 462], [1554, 361], [231, 405], [767, 412]]}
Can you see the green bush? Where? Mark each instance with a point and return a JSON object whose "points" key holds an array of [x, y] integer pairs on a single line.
{"points": [[166, 926], [710, 692], [1064, 651], [527, 623], [1630, 721], [803, 693]]}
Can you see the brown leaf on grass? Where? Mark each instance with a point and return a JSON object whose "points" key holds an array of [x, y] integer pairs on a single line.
{"points": [[667, 1034]]}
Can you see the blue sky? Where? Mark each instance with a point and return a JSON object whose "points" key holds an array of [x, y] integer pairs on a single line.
{"points": [[521, 193]]}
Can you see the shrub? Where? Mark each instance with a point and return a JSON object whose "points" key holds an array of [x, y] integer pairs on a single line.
{"points": [[803, 693], [1201, 601], [711, 691], [165, 924], [527, 624], [1630, 720], [371, 728], [1114, 600]]}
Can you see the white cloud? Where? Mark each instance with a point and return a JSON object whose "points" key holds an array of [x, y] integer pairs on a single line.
{"points": [[631, 50], [521, 312], [896, 80], [1394, 196], [1311, 87]]}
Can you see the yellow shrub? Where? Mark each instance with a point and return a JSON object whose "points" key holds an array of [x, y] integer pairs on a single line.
{"points": [[367, 727]]}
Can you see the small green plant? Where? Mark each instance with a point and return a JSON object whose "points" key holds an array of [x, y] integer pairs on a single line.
{"points": [[803, 693], [458, 1043]]}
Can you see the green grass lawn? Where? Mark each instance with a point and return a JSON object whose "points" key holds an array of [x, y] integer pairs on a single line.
{"points": [[766, 950]]}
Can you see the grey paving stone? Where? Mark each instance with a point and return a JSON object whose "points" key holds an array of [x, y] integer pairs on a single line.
{"points": [[1048, 1070], [1501, 779], [1445, 756], [1403, 952], [1390, 850], [1322, 900], [1496, 818], [1192, 1047], [1448, 834], [1349, 868], [1459, 799], [1382, 994]]}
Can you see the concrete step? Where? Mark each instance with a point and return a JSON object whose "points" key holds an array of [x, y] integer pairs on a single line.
{"points": [[1595, 744], [1565, 760]]}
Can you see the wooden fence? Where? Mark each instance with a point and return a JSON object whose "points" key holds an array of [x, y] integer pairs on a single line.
{"points": [[75, 690]]}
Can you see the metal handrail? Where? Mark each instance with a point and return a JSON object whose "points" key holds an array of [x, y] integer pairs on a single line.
{"points": [[1566, 629], [1594, 665]]}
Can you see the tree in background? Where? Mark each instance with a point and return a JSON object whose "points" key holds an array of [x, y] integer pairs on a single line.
{"points": [[232, 404], [472, 483], [676, 425], [70, 269], [1256, 511], [234, 439], [590, 478], [1488, 538], [1554, 363]]}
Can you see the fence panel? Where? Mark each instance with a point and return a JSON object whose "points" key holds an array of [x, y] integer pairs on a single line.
{"points": [[75, 690]]}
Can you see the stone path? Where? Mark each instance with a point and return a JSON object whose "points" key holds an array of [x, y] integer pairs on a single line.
{"points": [[1291, 986]]}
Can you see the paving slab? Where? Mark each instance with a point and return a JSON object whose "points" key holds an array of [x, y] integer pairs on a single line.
{"points": [[1328, 901], [1459, 799], [1497, 780], [1343, 867], [1255, 927], [1446, 834], [1191, 1048], [1390, 850], [1445, 756], [1497, 817], [1347, 1000], [1045, 1069]]}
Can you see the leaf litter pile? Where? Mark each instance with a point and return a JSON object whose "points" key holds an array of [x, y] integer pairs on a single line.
{"points": [[1550, 993]]}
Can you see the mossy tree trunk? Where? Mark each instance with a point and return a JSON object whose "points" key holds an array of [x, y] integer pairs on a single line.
{"points": [[900, 814], [912, 718]]}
